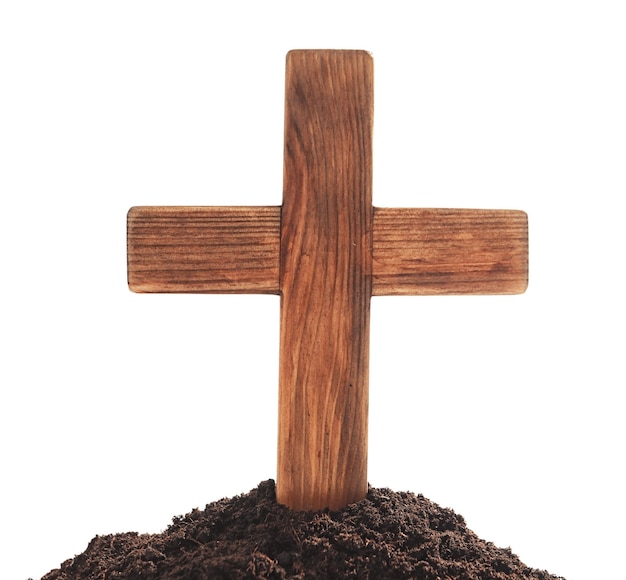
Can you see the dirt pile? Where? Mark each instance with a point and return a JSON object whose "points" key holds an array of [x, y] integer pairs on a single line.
{"points": [[387, 535]]}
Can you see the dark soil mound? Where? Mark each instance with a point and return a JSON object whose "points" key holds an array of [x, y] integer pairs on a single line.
{"points": [[387, 535]]}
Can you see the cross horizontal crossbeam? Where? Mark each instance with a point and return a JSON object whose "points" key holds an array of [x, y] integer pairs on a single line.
{"points": [[415, 251]]}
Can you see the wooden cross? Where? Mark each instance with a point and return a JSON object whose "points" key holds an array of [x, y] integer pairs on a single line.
{"points": [[326, 251]]}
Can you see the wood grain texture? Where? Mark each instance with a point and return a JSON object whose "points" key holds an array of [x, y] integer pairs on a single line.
{"points": [[449, 251], [204, 249], [326, 251], [325, 279]]}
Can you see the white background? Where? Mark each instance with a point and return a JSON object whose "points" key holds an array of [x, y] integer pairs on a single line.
{"points": [[119, 411]]}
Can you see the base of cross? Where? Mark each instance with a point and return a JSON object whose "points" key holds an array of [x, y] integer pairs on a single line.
{"points": [[326, 251]]}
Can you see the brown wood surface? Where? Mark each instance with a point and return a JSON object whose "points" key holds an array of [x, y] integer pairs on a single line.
{"points": [[326, 252], [204, 249], [325, 280], [449, 251]]}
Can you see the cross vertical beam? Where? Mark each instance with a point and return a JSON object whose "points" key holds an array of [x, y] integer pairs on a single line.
{"points": [[325, 279]]}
